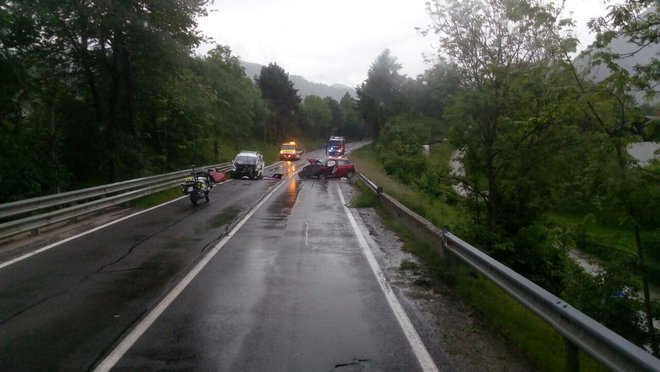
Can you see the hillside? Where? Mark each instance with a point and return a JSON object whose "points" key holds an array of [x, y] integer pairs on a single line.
{"points": [[622, 46], [305, 88]]}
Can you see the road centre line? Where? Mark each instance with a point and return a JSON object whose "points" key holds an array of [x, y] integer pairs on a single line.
{"points": [[118, 352], [418, 347]]}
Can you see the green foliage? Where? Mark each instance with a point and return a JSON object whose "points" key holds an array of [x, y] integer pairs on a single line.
{"points": [[101, 92], [434, 209], [636, 21], [236, 98], [379, 97], [156, 199], [352, 125], [283, 102], [317, 116], [400, 150], [366, 198], [538, 341], [610, 298]]}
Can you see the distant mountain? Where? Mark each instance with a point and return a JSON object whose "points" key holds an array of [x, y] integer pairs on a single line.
{"points": [[620, 45], [305, 88]]}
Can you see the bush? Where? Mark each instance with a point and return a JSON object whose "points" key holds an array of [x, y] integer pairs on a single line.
{"points": [[609, 298]]}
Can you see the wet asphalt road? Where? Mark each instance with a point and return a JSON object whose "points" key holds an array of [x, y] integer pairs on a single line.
{"points": [[291, 290]]}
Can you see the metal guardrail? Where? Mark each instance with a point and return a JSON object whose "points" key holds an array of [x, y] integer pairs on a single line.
{"points": [[579, 330], [30, 215]]}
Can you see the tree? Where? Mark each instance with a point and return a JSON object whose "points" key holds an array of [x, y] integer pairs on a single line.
{"points": [[100, 57], [317, 116], [638, 21], [633, 189], [379, 97], [239, 110], [513, 112], [336, 122], [283, 101], [496, 47], [353, 124]]}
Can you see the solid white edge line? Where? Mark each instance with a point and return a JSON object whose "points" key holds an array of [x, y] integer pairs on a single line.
{"points": [[115, 355], [418, 347], [53, 245]]}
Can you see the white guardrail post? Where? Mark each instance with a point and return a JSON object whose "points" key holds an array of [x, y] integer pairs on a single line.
{"points": [[579, 331]]}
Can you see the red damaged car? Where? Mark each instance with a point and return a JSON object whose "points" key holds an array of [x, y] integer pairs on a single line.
{"points": [[331, 168]]}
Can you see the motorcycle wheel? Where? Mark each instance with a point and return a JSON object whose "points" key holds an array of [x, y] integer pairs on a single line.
{"points": [[206, 196], [193, 197]]}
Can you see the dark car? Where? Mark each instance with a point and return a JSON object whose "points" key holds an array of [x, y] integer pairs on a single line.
{"points": [[331, 168], [248, 164]]}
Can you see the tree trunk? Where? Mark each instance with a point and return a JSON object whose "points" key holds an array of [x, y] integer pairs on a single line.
{"points": [[111, 127], [647, 295], [130, 110]]}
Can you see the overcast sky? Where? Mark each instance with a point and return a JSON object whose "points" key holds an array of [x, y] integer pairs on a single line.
{"points": [[336, 41]]}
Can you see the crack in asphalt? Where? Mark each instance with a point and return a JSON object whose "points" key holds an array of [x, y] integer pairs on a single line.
{"points": [[208, 245], [19, 312], [133, 247], [212, 243], [357, 365]]}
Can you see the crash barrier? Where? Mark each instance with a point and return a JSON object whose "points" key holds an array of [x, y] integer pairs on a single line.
{"points": [[31, 215], [578, 330]]}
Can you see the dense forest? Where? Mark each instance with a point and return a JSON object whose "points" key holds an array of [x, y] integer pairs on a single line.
{"points": [[95, 92]]}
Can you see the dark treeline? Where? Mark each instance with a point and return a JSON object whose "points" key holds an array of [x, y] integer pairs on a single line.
{"points": [[97, 92]]}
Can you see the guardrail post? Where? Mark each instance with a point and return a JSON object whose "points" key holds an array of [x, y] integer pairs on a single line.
{"points": [[572, 356], [448, 257]]}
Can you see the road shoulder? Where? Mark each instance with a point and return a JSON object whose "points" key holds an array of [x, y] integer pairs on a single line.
{"points": [[454, 334]]}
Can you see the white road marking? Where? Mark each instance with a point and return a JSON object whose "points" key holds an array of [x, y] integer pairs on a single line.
{"points": [[306, 235], [40, 250], [130, 339], [418, 347]]}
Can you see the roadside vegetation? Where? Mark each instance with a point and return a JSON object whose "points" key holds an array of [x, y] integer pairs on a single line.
{"points": [[544, 150], [540, 344]]}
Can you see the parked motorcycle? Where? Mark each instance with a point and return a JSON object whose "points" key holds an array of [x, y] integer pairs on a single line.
{"points": [[197, 186]]}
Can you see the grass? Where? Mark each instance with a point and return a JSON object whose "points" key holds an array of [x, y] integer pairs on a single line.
{"points": [[433, 209], [155, 199], [540, 344]]}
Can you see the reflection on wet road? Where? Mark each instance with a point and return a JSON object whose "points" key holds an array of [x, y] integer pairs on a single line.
{"points": [[285, 287], [290, 291]]}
